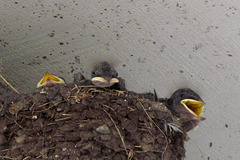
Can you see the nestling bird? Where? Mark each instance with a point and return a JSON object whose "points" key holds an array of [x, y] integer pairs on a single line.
{"points": [[49, 80], [187, 106], [104, 75]]}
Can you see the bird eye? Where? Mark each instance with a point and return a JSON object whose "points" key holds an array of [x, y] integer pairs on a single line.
{"points": [[93, 72], [114, 74], [181, 95]]}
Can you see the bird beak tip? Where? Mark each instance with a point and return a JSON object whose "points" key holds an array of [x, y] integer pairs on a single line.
{"points": [[114, 80], [99, 79]]}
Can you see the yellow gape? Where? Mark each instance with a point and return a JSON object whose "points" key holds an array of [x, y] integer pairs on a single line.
{"points": [[49, 78], [193, 106]]}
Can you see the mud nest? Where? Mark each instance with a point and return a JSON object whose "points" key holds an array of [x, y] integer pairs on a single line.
{"points": [[81, 121]]}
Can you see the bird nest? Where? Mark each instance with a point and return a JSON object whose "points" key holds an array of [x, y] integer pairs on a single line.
{"points": [[81, 121]]}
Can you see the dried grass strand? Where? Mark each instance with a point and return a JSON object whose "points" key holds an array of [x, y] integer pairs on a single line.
{"points": [[9, 84], [119, 133]]}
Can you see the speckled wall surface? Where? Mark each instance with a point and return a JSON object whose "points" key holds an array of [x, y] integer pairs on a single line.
{"points": [[152, 44]]}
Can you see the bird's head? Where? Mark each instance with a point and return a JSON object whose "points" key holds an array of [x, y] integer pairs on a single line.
{"points": [[188, 106], [104, 75]]}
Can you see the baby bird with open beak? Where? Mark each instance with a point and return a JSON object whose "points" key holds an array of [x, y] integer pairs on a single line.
{"points": [[187, 106], [49, 80], [104, 75]]}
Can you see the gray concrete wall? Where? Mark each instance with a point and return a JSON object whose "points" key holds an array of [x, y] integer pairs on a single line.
{"points": [[153, 44]]}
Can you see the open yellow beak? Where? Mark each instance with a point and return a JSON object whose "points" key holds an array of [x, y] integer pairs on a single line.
{"points": [[193, 106], [48, 77]]}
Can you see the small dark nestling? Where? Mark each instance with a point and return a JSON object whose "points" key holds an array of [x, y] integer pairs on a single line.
{"points": [[104, 75], [187, 106]]}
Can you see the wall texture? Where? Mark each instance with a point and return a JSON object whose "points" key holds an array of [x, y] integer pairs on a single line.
{"points": [[152, 43]]}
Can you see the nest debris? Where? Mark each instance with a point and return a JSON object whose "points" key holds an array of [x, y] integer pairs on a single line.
{"points": [[81, 121]]}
